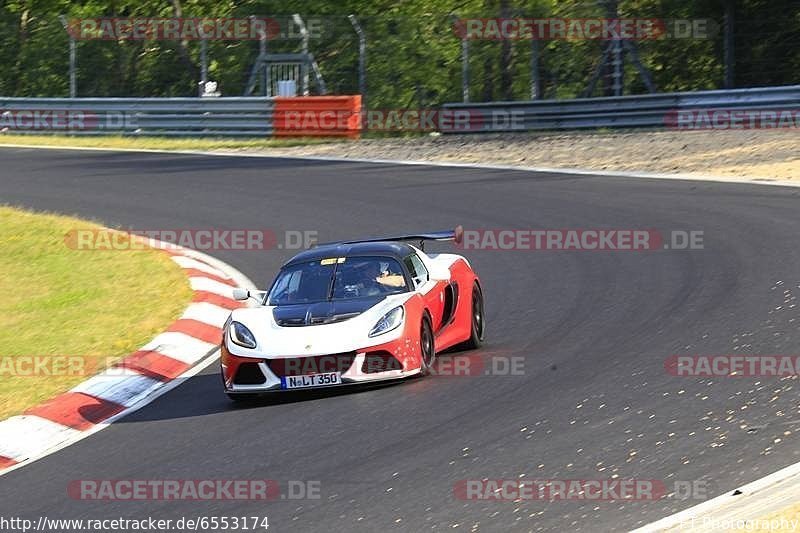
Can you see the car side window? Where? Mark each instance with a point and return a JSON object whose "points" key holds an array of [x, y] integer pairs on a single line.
{"points": [[417, 269]]}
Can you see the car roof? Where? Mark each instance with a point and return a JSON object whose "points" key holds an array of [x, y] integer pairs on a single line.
{"points": [[397, 250]]}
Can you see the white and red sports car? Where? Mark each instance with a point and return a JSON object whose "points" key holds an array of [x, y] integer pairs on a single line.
{"points": [[353, 312]]}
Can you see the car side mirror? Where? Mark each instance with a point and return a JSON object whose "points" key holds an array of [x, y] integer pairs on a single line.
{"points": [[241, 294]]}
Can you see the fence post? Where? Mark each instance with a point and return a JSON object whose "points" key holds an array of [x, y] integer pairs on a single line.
{"points": [[728, 45], [362, 60], [73, 59], [203, 66], [536, 82], [304, 89], [465, 69]]}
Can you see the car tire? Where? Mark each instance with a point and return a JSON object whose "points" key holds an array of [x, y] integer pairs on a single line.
{"points": [[426, 346], [477, 320]]}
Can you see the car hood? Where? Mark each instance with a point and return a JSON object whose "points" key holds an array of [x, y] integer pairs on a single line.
{"points": [[318, 338], [317, 313]]}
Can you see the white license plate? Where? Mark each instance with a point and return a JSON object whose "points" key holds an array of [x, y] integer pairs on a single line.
{"points": [[312, 380]]}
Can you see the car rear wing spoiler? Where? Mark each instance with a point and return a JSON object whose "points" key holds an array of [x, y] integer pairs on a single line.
{"points": [[456, 235]]}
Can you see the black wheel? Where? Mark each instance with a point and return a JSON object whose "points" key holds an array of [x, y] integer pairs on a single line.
{"points": [[478, 323], [426, 345]]}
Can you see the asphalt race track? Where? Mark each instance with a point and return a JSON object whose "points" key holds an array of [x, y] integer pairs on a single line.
{"points": [[594, 329]]}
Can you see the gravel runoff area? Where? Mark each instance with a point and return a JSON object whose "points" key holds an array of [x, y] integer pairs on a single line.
{"points": [[754, 154]]}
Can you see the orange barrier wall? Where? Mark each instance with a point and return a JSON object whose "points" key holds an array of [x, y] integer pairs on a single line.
{"points": [[317, 116]]}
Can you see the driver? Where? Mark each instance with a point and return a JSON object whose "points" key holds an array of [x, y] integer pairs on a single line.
{"points": [[370, 279], [376, 281]]}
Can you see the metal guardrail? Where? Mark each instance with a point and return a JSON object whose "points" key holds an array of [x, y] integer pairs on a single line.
{"points": [[259, 116], [185, 117], [646, 111]]}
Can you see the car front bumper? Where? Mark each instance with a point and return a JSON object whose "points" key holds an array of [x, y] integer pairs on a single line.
{"points": [[395, 359]]}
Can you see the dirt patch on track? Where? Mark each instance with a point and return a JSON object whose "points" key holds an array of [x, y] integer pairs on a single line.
{"points": [[760, 154]]}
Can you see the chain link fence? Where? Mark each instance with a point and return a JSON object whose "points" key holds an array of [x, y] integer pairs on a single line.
{"points": [[417, 55]]}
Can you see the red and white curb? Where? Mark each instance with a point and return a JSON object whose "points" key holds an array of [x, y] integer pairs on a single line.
{"points": [[184, 349]]}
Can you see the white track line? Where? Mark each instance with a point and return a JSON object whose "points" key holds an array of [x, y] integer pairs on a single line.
{"points": [[40, 434], [178, 346], [187, 262], [211, 285], [207, 313]]}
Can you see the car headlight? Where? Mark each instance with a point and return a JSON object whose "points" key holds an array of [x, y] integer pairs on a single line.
{"points": [[388, 322], [241, 335]]}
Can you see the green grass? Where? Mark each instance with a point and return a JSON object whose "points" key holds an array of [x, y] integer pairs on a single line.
{"points": [[158, 143], [57, 301]]}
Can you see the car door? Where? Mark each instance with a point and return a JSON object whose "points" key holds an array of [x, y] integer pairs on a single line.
{"points": [[428, 289]]}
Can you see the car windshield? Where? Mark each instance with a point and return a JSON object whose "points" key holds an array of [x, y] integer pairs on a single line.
{"points": [[337, 278]]}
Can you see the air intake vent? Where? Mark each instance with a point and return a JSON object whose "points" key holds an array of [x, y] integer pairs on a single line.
{"points": [[380, 361], [249, 374]]}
